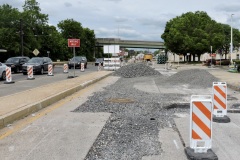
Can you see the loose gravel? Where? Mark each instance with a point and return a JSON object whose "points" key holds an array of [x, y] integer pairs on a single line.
{"points": [[136, 70], [194, 78], [132, 129]]}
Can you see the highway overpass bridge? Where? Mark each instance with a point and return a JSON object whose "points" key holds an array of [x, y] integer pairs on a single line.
{"points": [[100, 42]]}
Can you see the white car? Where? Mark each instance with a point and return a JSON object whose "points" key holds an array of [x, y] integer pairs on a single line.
{"points": [[2, 71]]}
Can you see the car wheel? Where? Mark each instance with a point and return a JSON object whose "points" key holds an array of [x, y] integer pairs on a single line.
{"points": [[86, 66], [4, 75], [24, 73]]}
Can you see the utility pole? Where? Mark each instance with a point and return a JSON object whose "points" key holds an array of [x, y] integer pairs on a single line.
{"points": [[231, 41], [21, 35]]}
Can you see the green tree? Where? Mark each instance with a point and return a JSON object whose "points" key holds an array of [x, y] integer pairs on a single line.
{"points": [[34, 24], [88, 43], [192, 33], [225, 48], [9, 29], [70, 28]]}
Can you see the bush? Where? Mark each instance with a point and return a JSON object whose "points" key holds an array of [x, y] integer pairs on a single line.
{"points": [[223, 62], [236, 61]]}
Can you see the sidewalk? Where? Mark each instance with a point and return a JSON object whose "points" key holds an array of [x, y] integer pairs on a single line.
{"points": [[21, 104]]}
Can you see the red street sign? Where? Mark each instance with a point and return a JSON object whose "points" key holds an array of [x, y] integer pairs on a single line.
{"points": [[73, 42]]}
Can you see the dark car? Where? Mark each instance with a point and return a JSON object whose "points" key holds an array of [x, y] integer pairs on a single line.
{"points": [[208, 62], [77, 60], [16, 63], [99, 60], [2, 71], [40, 65]]}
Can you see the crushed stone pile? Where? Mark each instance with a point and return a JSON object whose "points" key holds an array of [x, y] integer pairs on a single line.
{"points": [[135, 70], [132, 130], [194, 78]]}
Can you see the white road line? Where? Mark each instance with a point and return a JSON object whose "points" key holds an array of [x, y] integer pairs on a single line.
{"points": [[175, 142], [38, 144]]}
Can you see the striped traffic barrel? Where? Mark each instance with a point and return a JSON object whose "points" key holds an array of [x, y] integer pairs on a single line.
{"points": [[50, 70], [30, 72], [8, 75], [65, 68], [82, 67]]}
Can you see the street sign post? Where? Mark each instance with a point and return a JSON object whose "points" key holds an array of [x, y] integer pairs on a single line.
{"points": [[73, 43]]}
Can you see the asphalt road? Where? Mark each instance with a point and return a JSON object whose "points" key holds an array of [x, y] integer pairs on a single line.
{"points": [[21, 82], [55, 132]]}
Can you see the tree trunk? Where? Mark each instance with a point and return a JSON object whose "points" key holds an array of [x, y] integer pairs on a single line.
{"points": [[193, 57], [199, 57]]}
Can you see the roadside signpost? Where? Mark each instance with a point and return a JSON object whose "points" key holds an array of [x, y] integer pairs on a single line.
{"points": [[73, 43]]}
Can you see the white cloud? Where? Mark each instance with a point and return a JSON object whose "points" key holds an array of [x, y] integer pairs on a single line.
{"points": [[132, 19]]}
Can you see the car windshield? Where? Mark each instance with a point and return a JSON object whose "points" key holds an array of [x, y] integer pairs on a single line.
{"points": [[35, 60], [76, 59], [12, 60], [99, 60]]}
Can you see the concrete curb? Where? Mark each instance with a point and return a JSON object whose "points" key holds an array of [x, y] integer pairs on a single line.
{"points": [[29, 109]]}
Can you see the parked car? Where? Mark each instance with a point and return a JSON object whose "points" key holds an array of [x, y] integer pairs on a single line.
{"points": [[40, 65], [99, 60], [208, 62], [2, 71], [16, 63], [77, 60]]}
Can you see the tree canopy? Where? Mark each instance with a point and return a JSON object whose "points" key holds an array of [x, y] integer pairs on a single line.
{"points": [[193, 33], [36, 32]]}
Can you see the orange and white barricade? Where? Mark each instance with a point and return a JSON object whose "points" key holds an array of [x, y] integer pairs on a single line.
{"points": [[201, 108], [30, 72], [65, 68], [220, 99], [82, 67], [201, 123], [8, 76], [200, 127], [50, 70], [220, 102]]}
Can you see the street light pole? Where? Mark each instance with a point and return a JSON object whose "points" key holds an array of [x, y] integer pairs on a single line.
{"points": [[231, 41], [21, 35]]}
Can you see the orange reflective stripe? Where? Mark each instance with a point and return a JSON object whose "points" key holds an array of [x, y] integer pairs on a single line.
{"points": [[203, 109], [220, 91], [219, 101], [201, 125], [195, 135], [215, 107]]}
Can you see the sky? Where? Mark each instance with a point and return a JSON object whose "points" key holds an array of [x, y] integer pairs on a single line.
{"points": [[132, 19]]}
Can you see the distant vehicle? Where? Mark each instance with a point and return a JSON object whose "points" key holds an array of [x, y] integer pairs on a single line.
{"points": [[2, 71], [208, 62], [99, 60], [40, 65], [77, 60], [148, 57], [16, 63]]}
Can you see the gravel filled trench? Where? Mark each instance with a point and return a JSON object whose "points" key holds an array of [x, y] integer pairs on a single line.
{"points": [[132, 130]]}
